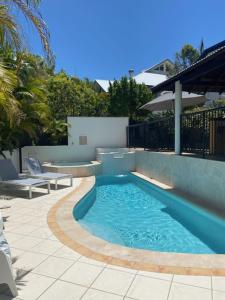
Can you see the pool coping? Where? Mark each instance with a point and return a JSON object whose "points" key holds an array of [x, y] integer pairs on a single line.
{"points": [[70, 233]]}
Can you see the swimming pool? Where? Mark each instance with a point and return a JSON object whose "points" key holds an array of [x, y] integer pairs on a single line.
{"points": [[129, 211]]}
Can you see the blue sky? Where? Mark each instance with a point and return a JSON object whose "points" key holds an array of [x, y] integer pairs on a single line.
{"points": [[103, 39]]}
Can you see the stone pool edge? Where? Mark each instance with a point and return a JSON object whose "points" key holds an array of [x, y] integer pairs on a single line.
{"points": [[69, 232]]}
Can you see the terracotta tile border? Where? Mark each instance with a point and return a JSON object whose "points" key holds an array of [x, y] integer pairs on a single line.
{"points": [[70, 233]]}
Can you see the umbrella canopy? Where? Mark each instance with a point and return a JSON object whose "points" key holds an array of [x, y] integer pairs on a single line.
{"points": [[166, 101]]}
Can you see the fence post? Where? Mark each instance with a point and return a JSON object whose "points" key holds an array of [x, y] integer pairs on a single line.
{"points": [[203, 138], [127, 132], [20, 160], [144, 136], [181, 134], [178, 98]]}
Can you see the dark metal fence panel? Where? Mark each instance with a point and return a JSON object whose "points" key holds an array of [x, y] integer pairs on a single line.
{"points": [[136, 136], [160, 134], [204, 132], [156, 135]]}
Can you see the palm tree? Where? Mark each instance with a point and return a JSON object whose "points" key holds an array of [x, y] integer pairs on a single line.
{"points": [[11, 38]]}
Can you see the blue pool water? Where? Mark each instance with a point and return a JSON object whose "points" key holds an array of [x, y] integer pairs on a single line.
{"points": [[129, 211]]}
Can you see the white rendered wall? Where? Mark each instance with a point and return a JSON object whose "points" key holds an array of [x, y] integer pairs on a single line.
{"points": [[202, 178], [100, 131]]}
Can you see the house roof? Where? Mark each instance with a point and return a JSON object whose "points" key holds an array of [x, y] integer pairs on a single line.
{"points": [[158, 64], [149, 79], [104, 84], [206, 75]]}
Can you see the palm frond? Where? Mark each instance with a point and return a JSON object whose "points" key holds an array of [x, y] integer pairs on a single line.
{"points": [[9, 33], [8, 103], [31, 13]]}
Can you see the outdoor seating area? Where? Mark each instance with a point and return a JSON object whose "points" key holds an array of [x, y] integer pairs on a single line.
{"points": [[9, 176], [37, 177]]}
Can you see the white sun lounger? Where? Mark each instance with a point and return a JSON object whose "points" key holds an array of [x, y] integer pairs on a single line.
{"points": [[35, 169], [9, 176], [6, 274]]}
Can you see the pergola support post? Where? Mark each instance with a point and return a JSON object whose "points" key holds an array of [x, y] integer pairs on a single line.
{"points": [[178, 98]]}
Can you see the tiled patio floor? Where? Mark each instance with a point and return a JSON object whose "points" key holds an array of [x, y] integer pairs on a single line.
{"points": [[48, 270]]}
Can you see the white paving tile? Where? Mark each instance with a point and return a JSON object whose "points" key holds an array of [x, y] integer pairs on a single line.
{"points": [[199, 281], [29, 260], [42, 233], [218, 283], [91, 261], [145, 288], [32, 286], [82, 273], [99, 295], [12, 237], [53, 266], [185, 292], [68, 253], [24, 229], [62, 290], [218, 295], [113, 281], [47, 247], [163, 276], [118, 268], [26, 243]]}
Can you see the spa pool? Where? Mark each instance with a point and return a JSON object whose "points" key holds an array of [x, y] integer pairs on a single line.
{"points": [[77, 169]]}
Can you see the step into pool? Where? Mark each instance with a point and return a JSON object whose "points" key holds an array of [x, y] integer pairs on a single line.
{"points": [[129, 211]]}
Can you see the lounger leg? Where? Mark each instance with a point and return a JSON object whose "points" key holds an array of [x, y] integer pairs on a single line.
{"points": [[30, 192], [48, 187], [12, 287], [71, 181], [56, 184]]}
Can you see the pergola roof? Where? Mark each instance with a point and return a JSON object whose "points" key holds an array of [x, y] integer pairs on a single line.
{"points": [[206, 75]]}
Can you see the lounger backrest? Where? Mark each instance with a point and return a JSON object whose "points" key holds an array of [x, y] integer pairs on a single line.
{"points": [[33, 165], [7, 170]]}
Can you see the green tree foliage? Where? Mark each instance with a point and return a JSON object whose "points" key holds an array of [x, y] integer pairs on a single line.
{"points": [[185, 57], [32, 114], [126, 97], [70, 96]]}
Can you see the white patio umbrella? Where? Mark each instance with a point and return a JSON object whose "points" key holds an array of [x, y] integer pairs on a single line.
{"points": [[166, 101]]}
